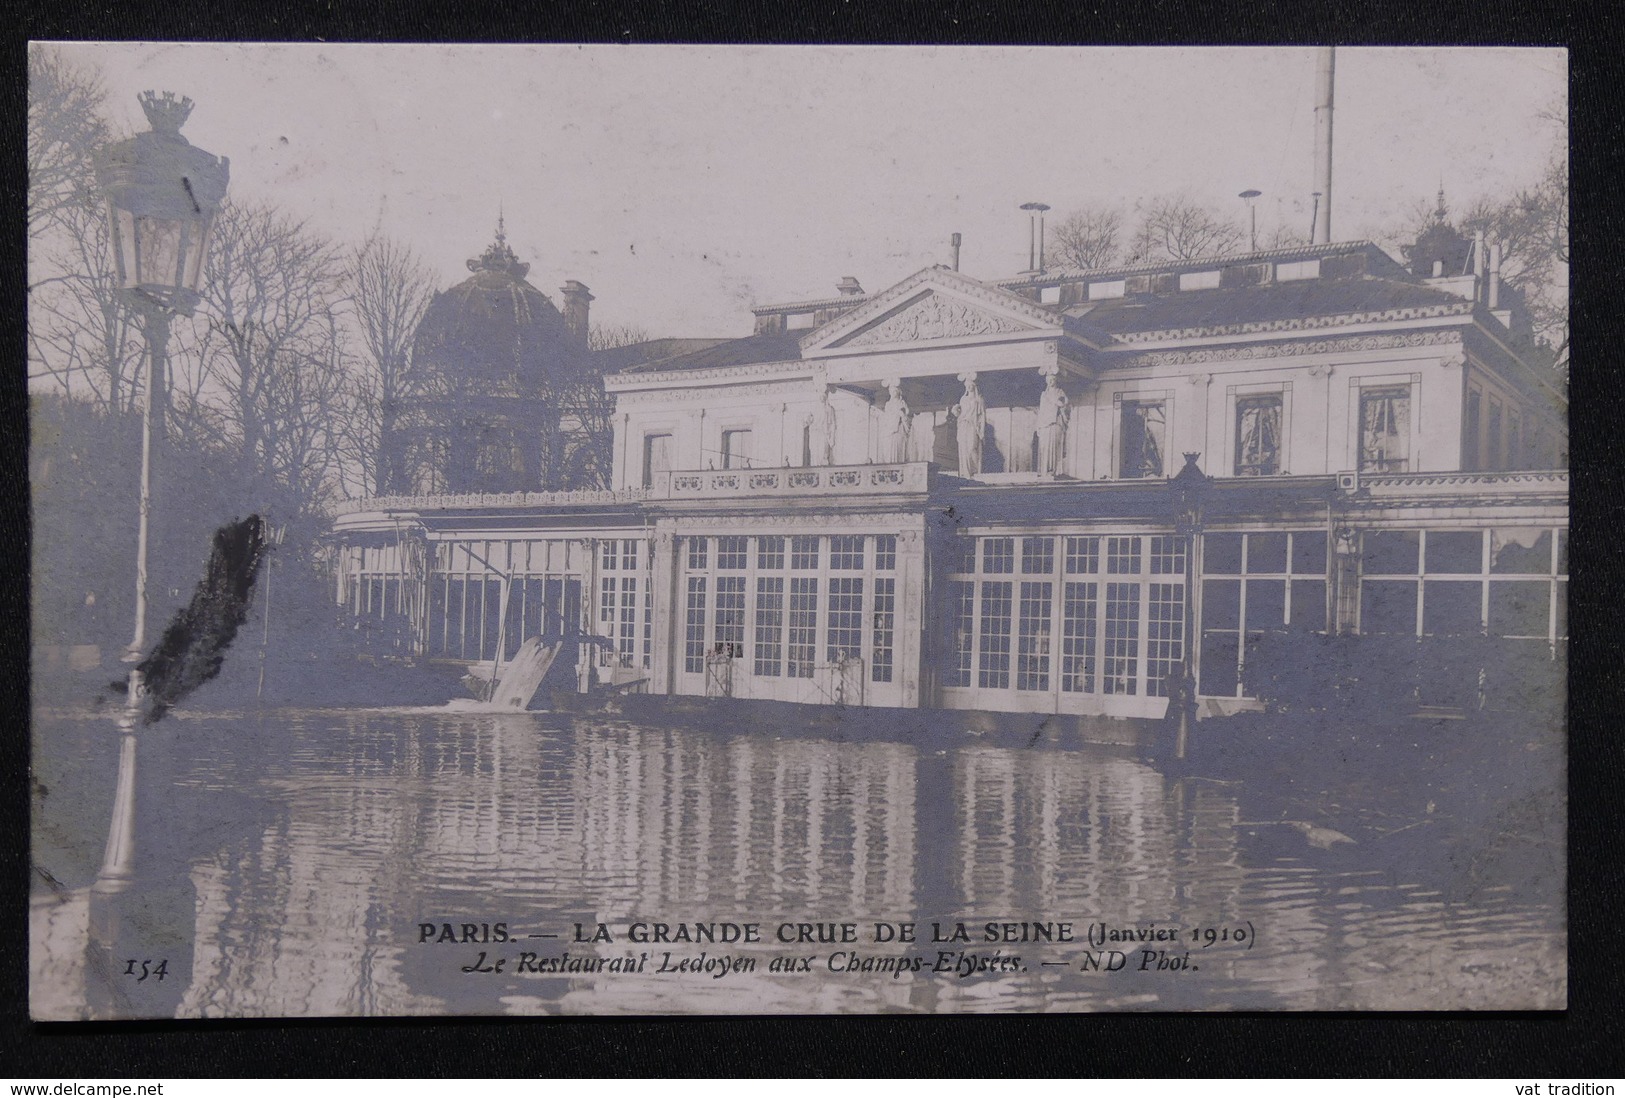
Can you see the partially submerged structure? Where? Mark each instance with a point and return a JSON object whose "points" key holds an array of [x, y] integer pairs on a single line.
{"points": [[962, 494]]}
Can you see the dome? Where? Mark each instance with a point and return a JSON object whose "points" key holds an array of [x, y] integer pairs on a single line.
{"points": [[496, 329]]}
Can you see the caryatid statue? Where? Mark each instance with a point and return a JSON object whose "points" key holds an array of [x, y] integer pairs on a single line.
{"points": [[1053, 413], [896, 423], [822, 422], [970, 415]]}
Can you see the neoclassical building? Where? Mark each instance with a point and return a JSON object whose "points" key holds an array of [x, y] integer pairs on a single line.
{"points": [[960, 494]]}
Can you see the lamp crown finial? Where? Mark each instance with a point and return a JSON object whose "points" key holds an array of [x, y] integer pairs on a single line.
{"points": [[165, 113]]}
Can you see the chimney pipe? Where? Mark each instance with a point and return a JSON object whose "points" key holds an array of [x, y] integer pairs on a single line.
{"points": [[576, 300], [1325, 64], [1479, 260], [953, 251], [1495, 275]]}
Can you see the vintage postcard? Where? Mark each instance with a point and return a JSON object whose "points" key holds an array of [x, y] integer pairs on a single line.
{"points": [[531, 530]]}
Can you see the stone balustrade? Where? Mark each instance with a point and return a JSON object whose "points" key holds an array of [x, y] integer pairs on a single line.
{"points": [[824, 480]]}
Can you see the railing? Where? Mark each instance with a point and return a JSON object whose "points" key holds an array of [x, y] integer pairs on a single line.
{"points": [[484, 500], [826, 480]]}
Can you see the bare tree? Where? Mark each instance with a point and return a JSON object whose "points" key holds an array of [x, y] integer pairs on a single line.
{"points": [[389, 288], [1087, 238], [1532, 227], [588, 411], [1176, 226], [269, 349], [65, 128]]}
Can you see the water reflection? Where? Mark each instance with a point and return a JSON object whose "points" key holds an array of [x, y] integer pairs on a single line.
{"points": [[289, 859]]}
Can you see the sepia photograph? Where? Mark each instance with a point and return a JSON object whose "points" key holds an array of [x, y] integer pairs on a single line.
{"points": [[796, 530]]}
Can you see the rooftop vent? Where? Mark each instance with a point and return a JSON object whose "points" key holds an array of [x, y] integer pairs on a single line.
{"points": [[849, 286]]}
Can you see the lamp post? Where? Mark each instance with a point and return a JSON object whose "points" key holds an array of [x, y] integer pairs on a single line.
{"points": [[162, 194], [1190, 487]]}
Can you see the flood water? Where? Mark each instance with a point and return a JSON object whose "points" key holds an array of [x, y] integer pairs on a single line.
{"points": [[291, 864]]}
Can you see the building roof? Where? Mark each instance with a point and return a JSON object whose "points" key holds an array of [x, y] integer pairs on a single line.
{"points": [[762, 347], [650, 354], [1280, 301]]}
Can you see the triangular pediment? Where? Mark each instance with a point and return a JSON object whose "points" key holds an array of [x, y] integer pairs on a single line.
{"points": [[934, 306]]}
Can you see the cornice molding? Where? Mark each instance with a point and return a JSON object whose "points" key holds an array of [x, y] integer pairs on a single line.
{"points": [[1282, 349], [1305, 323]]}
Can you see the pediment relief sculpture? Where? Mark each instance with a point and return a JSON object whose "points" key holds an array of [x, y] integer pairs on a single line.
{"points": [[935, 317]]}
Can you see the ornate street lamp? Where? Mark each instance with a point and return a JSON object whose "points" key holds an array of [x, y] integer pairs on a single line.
{"points": [[162, 195], [1190, 488]]}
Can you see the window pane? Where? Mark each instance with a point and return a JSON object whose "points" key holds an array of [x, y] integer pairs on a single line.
{"points": [[885, 553], [1037, 556], [1523, 549], [1391, 552], [697, 548], [804, 552], [803, 627], [730, 616], [1562, 552], [1309, 553], [1221, 554], [1309, 604], [1455, 551], [1258, 436], [1520, 609], [1221, 604], [844, 633], [770, 554], [1219, 654], [962, 605], [1165, 638], [1121, 668], [1266, 604], [1562, 608], [1266, 553], [732, 552], [1167, 555], [994, 665], [1143, 431], [735, 449], [880, 666], [1385, 429], [998, 555], [1451, 609], [846, 552], [694, 626], [1082, 555], [1033, 644], [1078, 639], [1388, 606], [1123, 556], [769, 624]]}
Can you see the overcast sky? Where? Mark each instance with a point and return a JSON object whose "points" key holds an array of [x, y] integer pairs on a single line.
{"points": [[684, 184]]}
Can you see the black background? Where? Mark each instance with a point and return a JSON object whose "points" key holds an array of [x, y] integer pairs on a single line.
{"points": [[1582, 1042]]}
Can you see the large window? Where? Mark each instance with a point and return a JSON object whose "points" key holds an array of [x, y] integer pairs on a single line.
{"points": [[1258, 435], [736, 449], [1144, 431], [656, 458], [1253, 585], [793, 605], [1385, 429], [1086, 614], [1509, 582]]}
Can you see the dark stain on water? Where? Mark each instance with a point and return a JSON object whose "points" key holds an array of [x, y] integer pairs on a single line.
{"points": [[289, 859]]}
